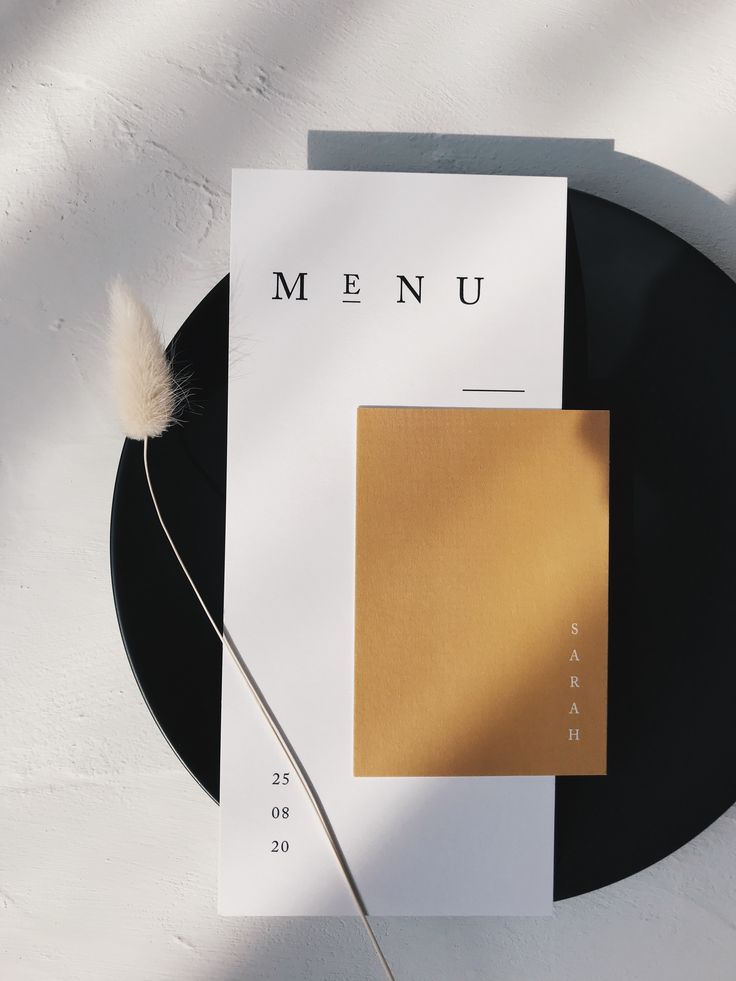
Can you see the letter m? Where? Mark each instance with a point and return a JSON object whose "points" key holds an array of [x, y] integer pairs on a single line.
{"points": [[281, 281]]}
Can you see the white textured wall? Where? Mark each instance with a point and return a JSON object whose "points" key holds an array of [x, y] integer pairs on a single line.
{"points": [[119, 124]]}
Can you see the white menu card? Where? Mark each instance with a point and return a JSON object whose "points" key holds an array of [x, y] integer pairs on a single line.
{"points": [[357, 289]]}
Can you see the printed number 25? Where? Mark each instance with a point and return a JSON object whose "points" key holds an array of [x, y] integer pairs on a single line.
{"points": [[280, 779]]}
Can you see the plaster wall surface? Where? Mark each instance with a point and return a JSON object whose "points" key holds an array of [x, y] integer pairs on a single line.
{"points": [[119, 125]]}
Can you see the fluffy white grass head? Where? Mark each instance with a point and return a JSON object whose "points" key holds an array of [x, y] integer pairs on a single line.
{"points": [[142, 379]]}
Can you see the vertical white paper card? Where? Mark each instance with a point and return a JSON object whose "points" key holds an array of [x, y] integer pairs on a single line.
{"points": [[365, 289]]}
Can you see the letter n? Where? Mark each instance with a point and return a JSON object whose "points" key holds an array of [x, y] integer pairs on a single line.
{"points": [[403, 281]]}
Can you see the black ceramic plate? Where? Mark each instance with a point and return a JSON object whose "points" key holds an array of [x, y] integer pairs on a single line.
{"points": [[650, 333]]}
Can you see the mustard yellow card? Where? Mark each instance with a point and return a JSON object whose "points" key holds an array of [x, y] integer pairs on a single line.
{"points": [[481, 607]]}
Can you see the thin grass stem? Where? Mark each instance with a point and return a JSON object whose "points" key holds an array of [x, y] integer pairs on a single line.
{"points": [[278, 732]]}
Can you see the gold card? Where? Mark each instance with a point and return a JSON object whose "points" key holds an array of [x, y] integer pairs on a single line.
{"points": [[481, 592]]}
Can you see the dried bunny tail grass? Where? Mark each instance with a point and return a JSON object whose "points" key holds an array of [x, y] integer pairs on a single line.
{"points": [[148, 395], [143, 383]]}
